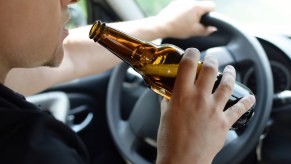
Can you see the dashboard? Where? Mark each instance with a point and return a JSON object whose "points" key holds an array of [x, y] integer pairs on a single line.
{"points": [[279, 55]]}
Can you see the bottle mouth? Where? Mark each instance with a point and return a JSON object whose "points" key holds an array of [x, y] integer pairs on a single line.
{"points": [[96, 30]]}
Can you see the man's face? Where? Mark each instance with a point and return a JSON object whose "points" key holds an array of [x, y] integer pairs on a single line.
{"points": [[32, 32]]}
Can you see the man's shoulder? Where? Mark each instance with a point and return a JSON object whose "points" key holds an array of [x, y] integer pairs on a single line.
{"points": [[35, 136], [29, 135], [12, 100]]}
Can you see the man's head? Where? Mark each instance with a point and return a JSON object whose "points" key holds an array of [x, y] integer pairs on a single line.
{"points": [[32, 32]]}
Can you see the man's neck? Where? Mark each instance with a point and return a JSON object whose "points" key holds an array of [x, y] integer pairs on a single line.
{"points": [[3, 72], [2, 77]]}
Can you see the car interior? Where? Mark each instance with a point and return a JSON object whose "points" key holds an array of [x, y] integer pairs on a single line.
{"points": [[117, 115]]}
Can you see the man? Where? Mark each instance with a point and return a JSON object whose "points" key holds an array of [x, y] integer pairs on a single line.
{"points": [[32, 34]]}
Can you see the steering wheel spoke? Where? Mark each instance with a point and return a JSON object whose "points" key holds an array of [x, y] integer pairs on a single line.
{"points": [[241, 53], [222, 54], [144, 120], [128, 137]]}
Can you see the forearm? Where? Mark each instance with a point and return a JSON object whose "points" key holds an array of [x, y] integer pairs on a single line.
{"points": [[88, 57], [148, 29]]}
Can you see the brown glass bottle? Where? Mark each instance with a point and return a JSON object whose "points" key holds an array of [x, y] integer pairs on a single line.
{"points": [[157, 64]]}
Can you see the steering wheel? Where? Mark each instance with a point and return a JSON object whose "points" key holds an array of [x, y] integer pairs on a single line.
{"points": [[135, 137]]}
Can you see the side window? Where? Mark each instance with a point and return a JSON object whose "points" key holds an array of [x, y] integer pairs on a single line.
{"points": [[78, 15], [152, 7]]}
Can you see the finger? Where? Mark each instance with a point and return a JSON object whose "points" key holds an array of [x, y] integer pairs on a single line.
{"points": [[205, 7], [208, 74], [187, 70], [237, 110], [202, 30], [164, 106], [164, 103], [208, 30], [225, 87]]}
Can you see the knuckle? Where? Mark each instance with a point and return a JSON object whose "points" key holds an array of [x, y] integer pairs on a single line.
{"points": [[239, 109], [245, 104], [187, 62], [223, 125], [229, 72], [239, 112], [202, 102], [216, 115], [250, 102], [182, 98], [226, 87], [210, 64], [198, 8]]}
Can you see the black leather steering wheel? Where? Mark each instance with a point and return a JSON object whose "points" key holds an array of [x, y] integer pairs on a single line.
{"points": [[132, 135]]}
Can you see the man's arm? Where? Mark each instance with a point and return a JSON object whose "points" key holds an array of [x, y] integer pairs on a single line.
{"points": [[83, 57]]}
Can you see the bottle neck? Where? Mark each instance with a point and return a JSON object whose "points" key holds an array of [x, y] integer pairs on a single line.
{"points": [[122, 45]]}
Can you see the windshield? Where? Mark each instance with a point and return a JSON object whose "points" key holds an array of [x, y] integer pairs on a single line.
{"points": [[262, 15]]}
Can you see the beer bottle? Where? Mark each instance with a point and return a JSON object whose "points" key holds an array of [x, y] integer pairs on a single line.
{"points": [[158, 64]]}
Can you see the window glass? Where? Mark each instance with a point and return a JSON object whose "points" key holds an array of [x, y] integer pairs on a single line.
{"points": [[268, 15], [78, 14], [152, 7]]}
